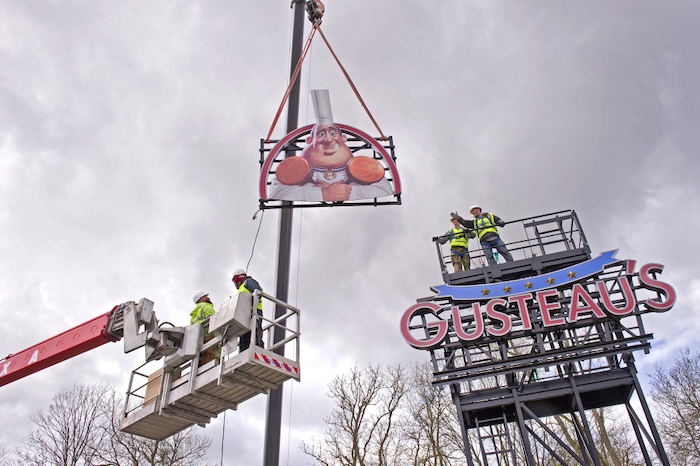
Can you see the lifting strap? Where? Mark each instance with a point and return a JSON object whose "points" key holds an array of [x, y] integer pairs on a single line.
{"points": [[292, 81], [296, 74]]}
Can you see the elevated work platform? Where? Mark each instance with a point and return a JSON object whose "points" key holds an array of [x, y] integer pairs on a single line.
{"points": [[548, 398], [182, 394], [538, 245]]}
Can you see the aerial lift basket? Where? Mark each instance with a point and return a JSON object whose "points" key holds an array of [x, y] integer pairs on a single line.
{"points": [[182, 393]]}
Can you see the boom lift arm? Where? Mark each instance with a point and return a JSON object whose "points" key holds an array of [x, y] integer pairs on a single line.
{"points": [[187, 390], [108, 327]]}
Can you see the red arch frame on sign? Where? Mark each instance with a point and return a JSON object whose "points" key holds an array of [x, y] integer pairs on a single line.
{"points": [[265, 171]]}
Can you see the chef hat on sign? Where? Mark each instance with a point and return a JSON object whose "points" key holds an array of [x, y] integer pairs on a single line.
{"points": [[321, 100]]}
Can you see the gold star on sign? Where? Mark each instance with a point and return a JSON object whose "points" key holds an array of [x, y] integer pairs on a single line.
{"points": [[506, 289], [550, 280], [528, 285], [572, 274], [485, 291]]}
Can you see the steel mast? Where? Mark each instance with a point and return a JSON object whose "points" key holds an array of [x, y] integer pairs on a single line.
{"points": [[273, 421]]}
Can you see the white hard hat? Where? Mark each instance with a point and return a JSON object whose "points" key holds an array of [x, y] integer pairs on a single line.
{"points": [[199, 295], [475, 206], [238, 272]]}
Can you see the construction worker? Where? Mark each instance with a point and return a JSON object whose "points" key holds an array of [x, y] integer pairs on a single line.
{"points": [[246, 284], [459, 239], [484, 224], [204, 310]]}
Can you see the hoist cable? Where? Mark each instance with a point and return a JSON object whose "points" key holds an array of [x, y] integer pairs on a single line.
{"points": [[256, 237], [292, 80], [342, 68], [223, 433], [289, 429], [347, 76]]}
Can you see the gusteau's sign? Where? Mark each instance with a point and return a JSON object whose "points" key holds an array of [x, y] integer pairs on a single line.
{"points": [[583, 292], [338, 163]]}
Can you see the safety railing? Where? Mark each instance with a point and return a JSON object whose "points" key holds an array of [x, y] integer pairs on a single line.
{"points": [[280, 335], [537, 236], [144, 389]]}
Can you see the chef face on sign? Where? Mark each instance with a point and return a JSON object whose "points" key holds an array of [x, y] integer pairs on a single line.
{"points": [[326, 147]]}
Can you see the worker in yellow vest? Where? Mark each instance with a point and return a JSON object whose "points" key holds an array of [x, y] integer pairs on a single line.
{"points": [[201, 312], [459, 245], [484, 225], [246, 284]]}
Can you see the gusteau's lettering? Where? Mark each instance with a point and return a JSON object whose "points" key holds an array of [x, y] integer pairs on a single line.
{"points": [[579, 294], [546, 307], [506, 323], [478, 324], [649, 282], [4, 368], [522, 308], [441, 326], [627, 292], [581, 305]]}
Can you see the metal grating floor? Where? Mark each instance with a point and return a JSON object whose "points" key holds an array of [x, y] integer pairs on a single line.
{"points": [[244, 376]]}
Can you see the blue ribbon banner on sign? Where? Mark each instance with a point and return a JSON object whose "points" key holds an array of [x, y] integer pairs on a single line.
{"points": [[527, 285]]}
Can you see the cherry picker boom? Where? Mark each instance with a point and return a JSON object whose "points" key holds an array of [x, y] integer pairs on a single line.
{"points": [[95, 332], [182, 392]]}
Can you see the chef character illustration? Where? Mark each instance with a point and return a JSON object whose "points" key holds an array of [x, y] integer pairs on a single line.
{"points": [[327, 169]]}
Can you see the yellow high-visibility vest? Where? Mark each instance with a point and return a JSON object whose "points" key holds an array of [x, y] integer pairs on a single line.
{"points": [[243, 289], [484, 224], [458, 237]]}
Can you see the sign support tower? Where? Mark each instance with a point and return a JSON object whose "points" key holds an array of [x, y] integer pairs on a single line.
{"points": [[273, 422]]}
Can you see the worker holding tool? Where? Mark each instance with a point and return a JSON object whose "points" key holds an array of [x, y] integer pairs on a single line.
{"points": [[246, 284], [484, 225], [459, 239], [201, 312]]}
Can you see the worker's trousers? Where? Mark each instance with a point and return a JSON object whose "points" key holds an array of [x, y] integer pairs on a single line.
{"points": [[498, 245]]}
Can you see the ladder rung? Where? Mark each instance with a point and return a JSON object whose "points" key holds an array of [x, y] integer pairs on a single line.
{"points": [[498, 452], [483, 421]]}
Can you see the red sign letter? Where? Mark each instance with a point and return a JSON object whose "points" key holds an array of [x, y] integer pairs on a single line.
{"points": [[441, 326], [665, 289], [575, 308], [545, 307], [478, 321], [628, 295], [506, 324], [522, 307]]}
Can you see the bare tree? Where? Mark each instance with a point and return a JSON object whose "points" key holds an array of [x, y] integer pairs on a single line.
{"points": [[186, 448], [361, 429], [82, 428], [433, 429], [676, 396], [4, 454], [611, 435], [68, 434], [399, 418]]}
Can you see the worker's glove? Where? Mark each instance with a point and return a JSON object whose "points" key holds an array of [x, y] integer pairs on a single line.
{"points": [[454, 215], [435, 238], [501, 224]]}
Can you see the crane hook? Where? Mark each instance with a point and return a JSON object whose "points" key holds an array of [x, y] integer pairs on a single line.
{"points": [[315, 9]]}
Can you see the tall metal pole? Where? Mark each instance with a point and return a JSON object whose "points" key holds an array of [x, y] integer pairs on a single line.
{"points": [[273, 422]]}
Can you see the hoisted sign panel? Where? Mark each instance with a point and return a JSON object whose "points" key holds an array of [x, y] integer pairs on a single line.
{"points": [[336, 164], [364, 168]]}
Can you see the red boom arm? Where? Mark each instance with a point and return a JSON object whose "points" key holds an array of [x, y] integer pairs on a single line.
{"points": [[73, 342]]}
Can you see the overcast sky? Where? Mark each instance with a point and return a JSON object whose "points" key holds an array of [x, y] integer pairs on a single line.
{"points": [[129, 135]]}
